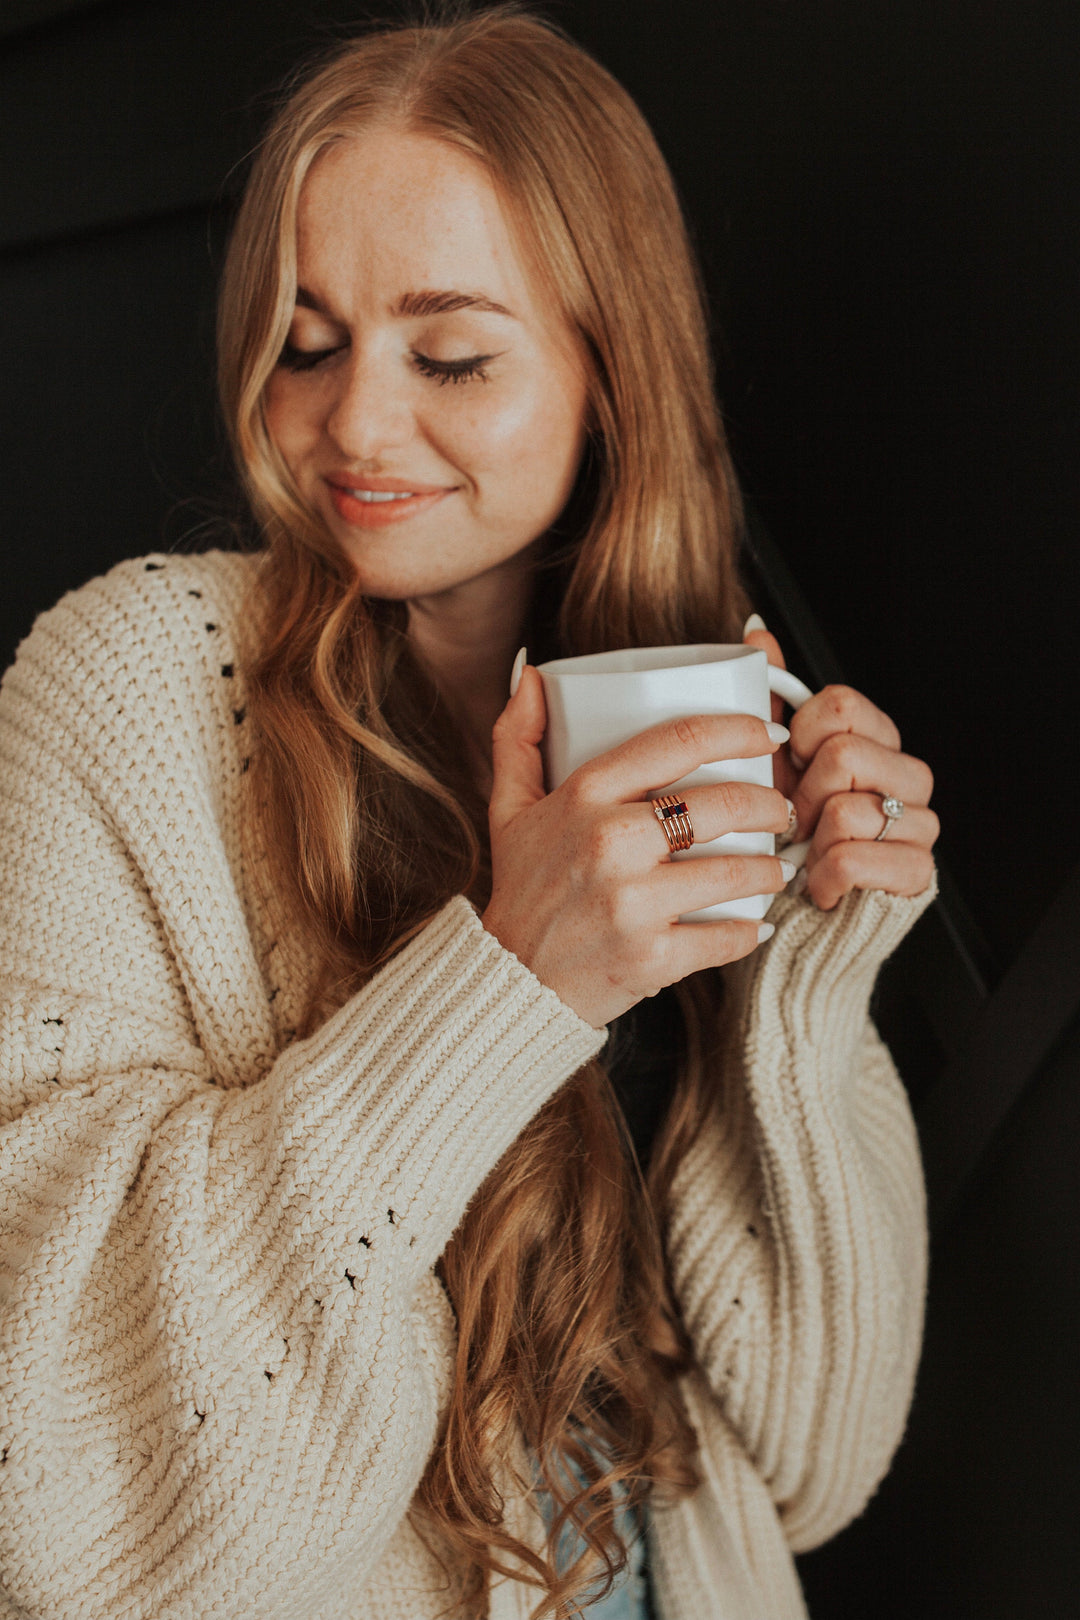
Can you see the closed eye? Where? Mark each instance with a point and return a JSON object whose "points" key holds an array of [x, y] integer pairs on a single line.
{"points": [[294, 359], [453, 371]]}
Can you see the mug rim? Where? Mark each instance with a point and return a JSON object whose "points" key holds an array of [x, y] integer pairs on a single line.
{"points": [[570, 668]]}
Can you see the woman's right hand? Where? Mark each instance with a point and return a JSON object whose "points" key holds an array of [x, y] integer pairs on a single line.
{"points": [[584, 891]]}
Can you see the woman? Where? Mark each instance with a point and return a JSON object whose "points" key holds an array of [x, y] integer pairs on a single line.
{"points": [[335, 1285]]}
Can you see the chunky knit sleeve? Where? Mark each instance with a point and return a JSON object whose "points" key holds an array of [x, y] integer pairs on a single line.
{"points": [[798, 1242], [221, 1340]]}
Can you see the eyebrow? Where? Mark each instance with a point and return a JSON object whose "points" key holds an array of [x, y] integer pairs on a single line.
{"points": [[446, 303], [425, 303]]}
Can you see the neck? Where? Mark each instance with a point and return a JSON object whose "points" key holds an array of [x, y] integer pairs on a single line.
{"points": [[467, 638]]}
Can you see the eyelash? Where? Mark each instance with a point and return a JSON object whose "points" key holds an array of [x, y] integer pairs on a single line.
{"points": [[441, 371], [452, 371]]}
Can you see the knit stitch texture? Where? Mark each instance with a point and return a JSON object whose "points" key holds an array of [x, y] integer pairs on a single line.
{"points": [[223, 1348]]}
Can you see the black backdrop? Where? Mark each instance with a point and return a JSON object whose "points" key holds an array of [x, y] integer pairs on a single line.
{"points": [[884, 198]]}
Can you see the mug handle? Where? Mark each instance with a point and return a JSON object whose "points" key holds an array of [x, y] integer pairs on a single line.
{"points": [[789, 687]]}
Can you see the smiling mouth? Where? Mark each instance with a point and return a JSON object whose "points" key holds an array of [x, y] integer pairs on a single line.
{"points": [[379, 494], [368, 508]]}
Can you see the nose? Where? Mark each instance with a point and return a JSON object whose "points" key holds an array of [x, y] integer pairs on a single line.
{"points": [[370, 413]]}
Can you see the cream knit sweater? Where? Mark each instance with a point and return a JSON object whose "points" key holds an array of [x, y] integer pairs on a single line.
{"points": [[223, 1349]]}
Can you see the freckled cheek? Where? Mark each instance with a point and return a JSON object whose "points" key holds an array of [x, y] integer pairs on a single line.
{"points": [[520, 440], [290, 421]]}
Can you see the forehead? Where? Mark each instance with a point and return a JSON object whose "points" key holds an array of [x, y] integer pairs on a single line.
{"points": [[390, 209]]}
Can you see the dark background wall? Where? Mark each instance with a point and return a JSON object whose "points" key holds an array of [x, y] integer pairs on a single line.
{"points": [[884, 197]]}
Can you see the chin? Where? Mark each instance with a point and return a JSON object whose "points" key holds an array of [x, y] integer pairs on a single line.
{"points": [[394, 580], [391, 585]]}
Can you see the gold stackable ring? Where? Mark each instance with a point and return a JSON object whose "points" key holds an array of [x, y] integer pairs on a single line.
{"points": [[674, 817]]}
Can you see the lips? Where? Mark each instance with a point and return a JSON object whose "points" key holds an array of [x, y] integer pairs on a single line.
{"points": [[374, 502]]}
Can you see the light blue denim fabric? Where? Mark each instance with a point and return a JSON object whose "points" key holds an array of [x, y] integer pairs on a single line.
{"points": [[629, 1597]]}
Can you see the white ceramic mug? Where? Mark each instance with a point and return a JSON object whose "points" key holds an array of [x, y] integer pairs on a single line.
{"points": [[596, 702]]}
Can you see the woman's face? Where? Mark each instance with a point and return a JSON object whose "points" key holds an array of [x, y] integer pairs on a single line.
{"points": [[429, 403]]}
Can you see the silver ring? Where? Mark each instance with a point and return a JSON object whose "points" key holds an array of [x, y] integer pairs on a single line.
{"points": [[892, 809]]}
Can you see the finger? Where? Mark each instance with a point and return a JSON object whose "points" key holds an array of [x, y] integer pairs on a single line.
{"points": [[895, 868], [847, 763], [670, 751], [837, 709], [635, 831], [677, 887], [517, 764], [686, 948], [725, 807], [848, 816], [756, 635]]}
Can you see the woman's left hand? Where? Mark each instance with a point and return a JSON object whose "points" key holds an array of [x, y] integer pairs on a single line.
{"points": [[844, 758]]}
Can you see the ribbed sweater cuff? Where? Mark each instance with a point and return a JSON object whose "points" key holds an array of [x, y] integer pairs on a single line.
{"points": [[817, 973], [433, 1069]]}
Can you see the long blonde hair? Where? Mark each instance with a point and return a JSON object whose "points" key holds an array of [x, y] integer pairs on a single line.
{"points": [[568, 1338]]}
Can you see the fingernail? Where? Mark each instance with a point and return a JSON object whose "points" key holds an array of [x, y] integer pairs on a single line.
{"points": [[777, 732], [788, 870], [792, 820], [797, 761], [754, 622], [765, 931], [802, 878], [519, 664]]}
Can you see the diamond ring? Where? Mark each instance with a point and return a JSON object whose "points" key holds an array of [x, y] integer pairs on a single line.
{"points": [[892, 809]]}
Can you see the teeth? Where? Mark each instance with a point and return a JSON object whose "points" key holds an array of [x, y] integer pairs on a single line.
{"points": [[380, 495]]}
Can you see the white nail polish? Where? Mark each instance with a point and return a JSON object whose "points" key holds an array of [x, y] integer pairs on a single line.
{"points": [[519, 664], [754, 622], [765, 931], [788, 870], [777, 732]]}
